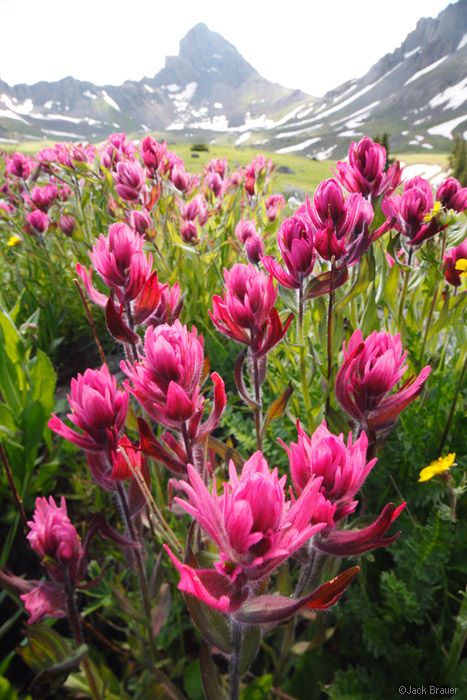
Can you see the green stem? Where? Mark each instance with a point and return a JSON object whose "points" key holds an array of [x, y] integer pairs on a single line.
{"points": [[301, 340], [258, 412], [404, 291], [329, 340], [136, 552], [428, 323], [77, 632], [453, 408], [458, 641]]}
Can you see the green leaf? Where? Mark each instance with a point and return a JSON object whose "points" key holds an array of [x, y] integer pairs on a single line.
{"points": [[45, 648], [277, 408], [210, 675], [259, 689], [212, 624], [43, 379], [250, 645], [192, 681]]}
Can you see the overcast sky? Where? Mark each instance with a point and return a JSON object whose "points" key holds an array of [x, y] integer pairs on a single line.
{"points": [[312, 45]]}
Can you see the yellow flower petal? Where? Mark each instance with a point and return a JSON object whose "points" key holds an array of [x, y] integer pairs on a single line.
{"points": [[438, 466], [461, 265], [13, 240]]}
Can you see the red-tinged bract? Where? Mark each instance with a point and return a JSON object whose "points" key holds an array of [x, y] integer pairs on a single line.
{"points": [[246, 313], [295, 241], [254, 526], [365, 170], [367, 379], [340, 225], [55, 539], [343, 467], [98, 409], [452, 195]]}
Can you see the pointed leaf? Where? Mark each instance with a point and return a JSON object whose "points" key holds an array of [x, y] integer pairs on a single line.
{"points": [[210, 675], [117, 327], [275, 608], [277, 408]]}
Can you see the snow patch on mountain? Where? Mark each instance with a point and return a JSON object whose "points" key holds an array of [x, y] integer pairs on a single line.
{"points": [[446, 128], [299, 146], [110, 101], [454, 96], [425, 70]]}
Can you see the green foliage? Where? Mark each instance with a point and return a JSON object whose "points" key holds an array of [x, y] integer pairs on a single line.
{"points": [[458, 160]]}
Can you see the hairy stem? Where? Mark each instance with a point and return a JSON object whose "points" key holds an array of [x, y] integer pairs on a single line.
{"points": [[14, 491], [258, 408], [143, 584], [453, 408], [77, 632], [329, 339], [301, 340], [91, 322], [458, 641]]}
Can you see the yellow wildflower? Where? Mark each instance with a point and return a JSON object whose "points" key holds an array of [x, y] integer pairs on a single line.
{"points": [[13, 240], [439, 466], [461, 265], [437, 207]]}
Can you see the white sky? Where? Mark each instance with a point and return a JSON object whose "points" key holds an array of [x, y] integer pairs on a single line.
{"points": [[314, 45]]}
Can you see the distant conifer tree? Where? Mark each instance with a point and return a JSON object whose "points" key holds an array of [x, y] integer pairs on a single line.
{"points": [[458, 160], [383, 140]]}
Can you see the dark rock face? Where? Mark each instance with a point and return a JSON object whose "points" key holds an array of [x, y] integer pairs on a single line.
{"points": [[208, 86], [417, 94]]}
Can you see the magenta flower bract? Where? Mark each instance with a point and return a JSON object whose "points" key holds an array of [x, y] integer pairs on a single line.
{"points": [[411, 212], [351, 543], [140, 220], [364, 171], [166, 381], [152, 153], [274, 203], [254, 526], [295, 241], [67, 224], [120, 261], [44, 197], [342, 466], [452, 195], [340, 226], [48, 599], [247, 313], [244, 229], [98, 408], [371, 370], [451, 257], [130, 179], [254, 249], [37, 221], [19, 165], [54, 538]]}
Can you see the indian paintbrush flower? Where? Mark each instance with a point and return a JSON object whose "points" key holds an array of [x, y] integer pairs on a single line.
{"points": [[246, 313], [98, 409], [340, 225], [295, 241], [371, 370], [365, 170], [343, 467]]}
